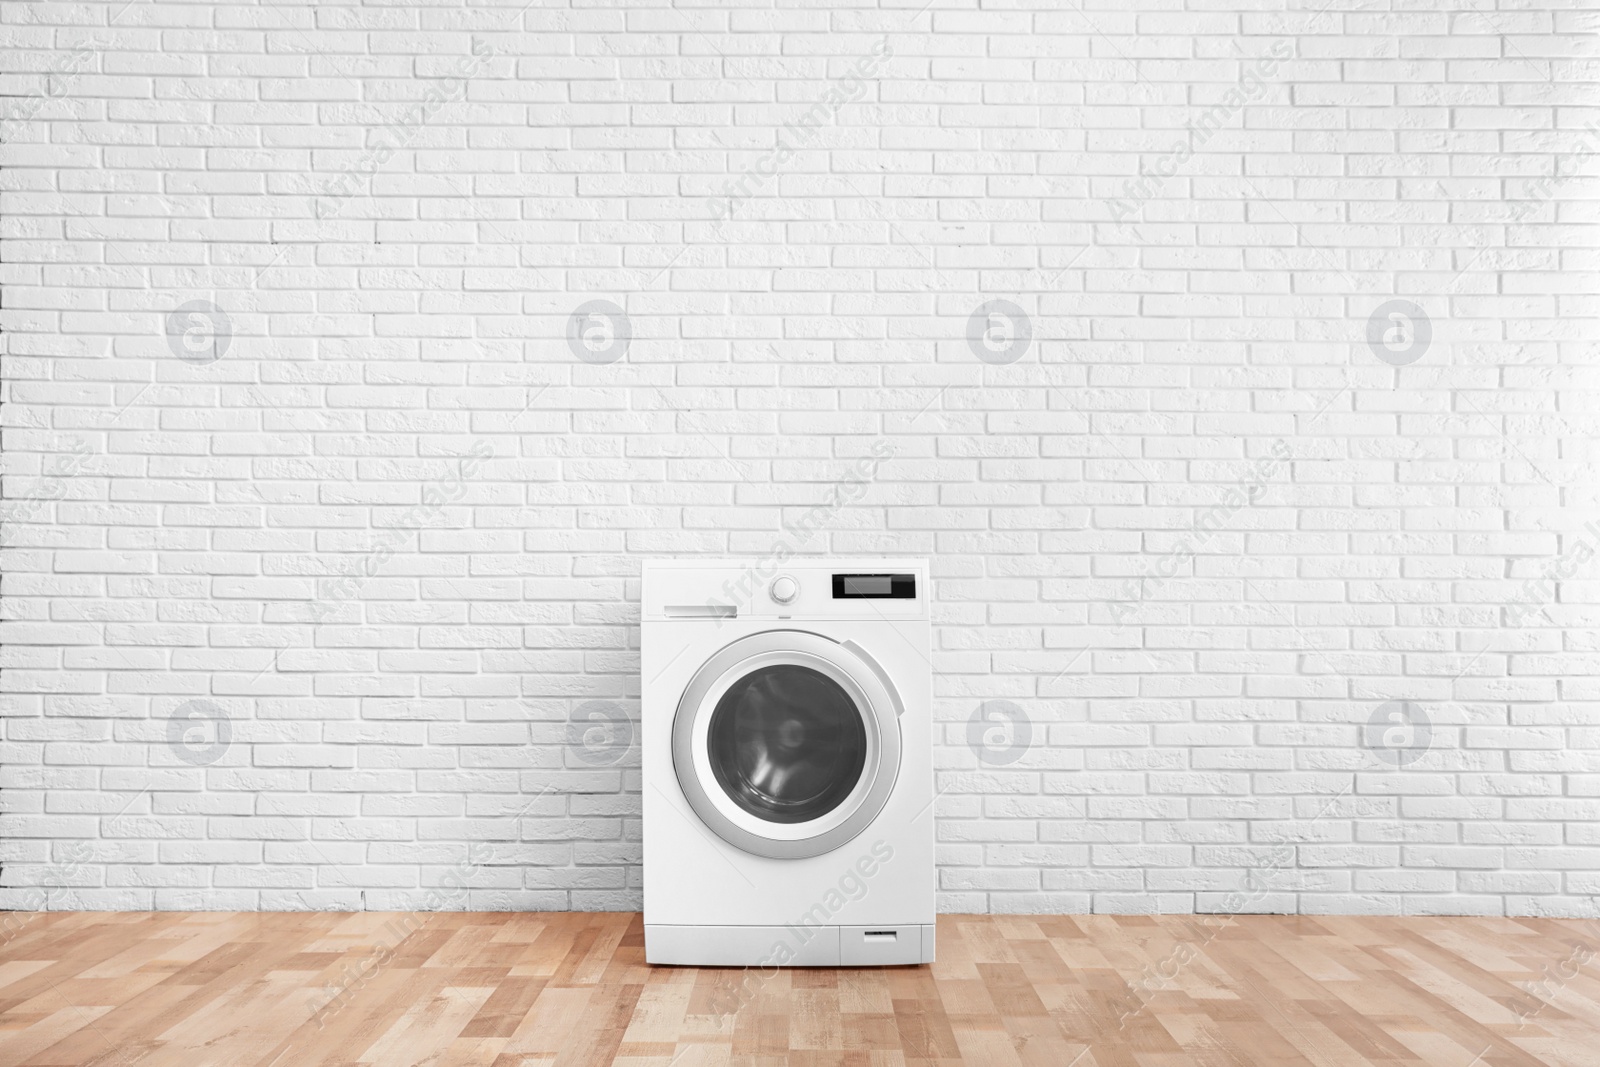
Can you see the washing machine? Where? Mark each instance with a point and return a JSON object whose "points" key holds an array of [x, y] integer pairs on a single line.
{"points": [[787, 763]]}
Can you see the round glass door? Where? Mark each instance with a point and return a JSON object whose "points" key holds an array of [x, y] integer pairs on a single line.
{"points": [[787, 743]]}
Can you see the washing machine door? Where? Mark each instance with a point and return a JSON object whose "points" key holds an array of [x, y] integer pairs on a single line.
{"points": [[787, 743]]}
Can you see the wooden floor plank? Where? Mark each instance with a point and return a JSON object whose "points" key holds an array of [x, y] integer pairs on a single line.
{"points": [[573, 990]]}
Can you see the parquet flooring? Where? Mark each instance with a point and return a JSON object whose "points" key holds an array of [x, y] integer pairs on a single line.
{"points": [[573, 990]]}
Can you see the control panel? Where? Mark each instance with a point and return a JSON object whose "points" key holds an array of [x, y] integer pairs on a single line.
{"points": [[794, 588], [827, 588]]}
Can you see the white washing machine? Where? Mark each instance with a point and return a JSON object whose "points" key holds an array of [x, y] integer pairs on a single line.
{"points": [[788, 763]]}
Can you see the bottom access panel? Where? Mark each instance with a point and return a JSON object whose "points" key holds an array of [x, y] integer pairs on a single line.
{"points": [[789, 946]]}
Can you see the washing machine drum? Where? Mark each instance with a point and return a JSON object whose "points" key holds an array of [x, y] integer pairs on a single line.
{"points": [[787, 743]]}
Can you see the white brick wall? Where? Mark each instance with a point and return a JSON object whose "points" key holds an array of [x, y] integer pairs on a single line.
{"points": [[390, 526]]}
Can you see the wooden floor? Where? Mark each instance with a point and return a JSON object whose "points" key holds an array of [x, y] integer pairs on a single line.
{"points": [[116, 989]]}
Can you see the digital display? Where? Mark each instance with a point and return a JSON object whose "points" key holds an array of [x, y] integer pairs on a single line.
{"points": [[874, 587]]}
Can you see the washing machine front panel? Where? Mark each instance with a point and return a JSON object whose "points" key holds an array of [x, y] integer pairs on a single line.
{"points": [[713, 902], [787, 744]]}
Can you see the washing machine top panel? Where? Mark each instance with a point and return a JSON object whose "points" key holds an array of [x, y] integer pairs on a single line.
{"points": [[796, 588]]}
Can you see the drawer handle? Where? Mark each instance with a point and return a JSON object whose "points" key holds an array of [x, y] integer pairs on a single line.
{"points": [[880, 935], [701, 611]]}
